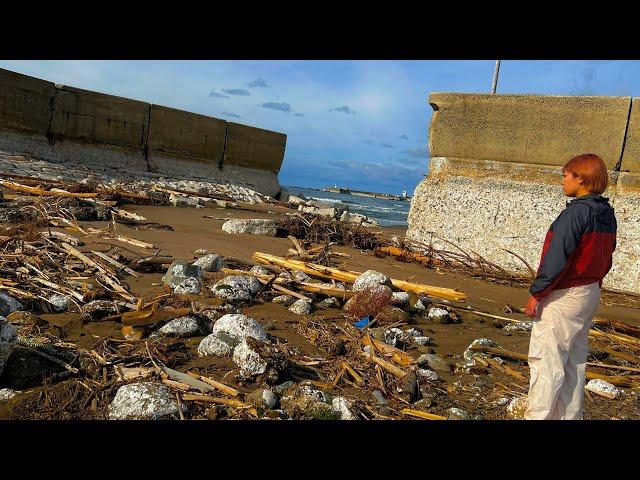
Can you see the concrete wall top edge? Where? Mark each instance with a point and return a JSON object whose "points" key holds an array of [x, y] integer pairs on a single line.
{"points": [[257, 128], [631, 155], [443, 95], [532, 129]]}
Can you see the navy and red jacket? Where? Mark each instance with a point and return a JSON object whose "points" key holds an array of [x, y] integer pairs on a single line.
{"points": [[578, 247]]}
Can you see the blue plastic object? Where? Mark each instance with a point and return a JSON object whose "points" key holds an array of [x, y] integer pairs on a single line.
{"points": [[363, 322]]}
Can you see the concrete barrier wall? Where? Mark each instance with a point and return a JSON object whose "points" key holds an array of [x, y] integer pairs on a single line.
{"points": [[67, 124], [252, 147], [494, 180], [540, 129]]}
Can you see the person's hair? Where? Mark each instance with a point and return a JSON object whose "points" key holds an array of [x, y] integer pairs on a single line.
{"points": [[591, 169]]}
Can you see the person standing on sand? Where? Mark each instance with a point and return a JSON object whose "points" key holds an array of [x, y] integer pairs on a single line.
{"points": [[576, 256]]}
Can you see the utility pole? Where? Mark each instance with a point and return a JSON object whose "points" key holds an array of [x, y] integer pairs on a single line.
{"points": [[495, 77]]}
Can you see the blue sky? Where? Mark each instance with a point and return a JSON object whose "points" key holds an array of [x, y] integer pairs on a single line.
{"points": [[360, 124]]}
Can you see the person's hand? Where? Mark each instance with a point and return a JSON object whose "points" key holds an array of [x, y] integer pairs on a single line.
{"points": [[530, 308]]}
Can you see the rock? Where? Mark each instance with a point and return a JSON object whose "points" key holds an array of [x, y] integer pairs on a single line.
{"points": [[379, 397], [458, 414], [236, 288], [7, 394], [369, 279], [439, 315], [8, 335], [423, 403], [519, 327], [392, 336], [400, 299], [23, 318], [98, 309], [389, 315], [434, 362], [179, 201], [8, 304], [344, 407], [179, 271], [299, 276], [301, 307], [190, 286], [182, 327], [143, 401], [263, 398], [256, 358], [603, 388], [408, 387], [284, 299], [283, 387], [209, 263], [517, 408], [468, 353], [419, 305], [502, 401], [259, 270], [253, 226], [218, 344], [295, 200], [331, 302], [345, 217], [422, 340], [327, 212], [304, 401], [239, 326], [357, 218], [59, 302], [426, 375]]}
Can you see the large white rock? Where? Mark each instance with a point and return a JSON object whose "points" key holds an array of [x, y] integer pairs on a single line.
{"points": [[370, 279], [189, 286], [217, 344], [179, 271], [236, 288], [8, 334], [300, 307], [400, 299], [603, 388], [142, 401], [182, 327], [248, 360], [59, 302], [256, 226], [344, 407], [209, 263], [240, 326]]}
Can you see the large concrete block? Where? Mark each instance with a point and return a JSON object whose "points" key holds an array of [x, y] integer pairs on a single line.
{"points": [[96, 117], [180, 133], [530, 129], [25, 102], [252, 147], [631, 155], [491, 207]]}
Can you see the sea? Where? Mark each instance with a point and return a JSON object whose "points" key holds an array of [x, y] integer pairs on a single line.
{"points": [[385, 212]]}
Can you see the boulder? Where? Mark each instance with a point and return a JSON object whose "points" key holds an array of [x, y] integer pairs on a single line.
{"points": [[98, 309], [8, 335], [183, 327], [344, 408], [400, 299], [59, 302], [301, 307], [434, 362], [345, 217], [259, 359], [326, 212], [240, 326], [259, 270], [218, 344], [458, 414], [179, 271], [299, 276], [603, 388], [143, 401], [209, 263], [439, 315], [189, 286], [284, 299], [422, 340], [369, 279], [8, 304], [7, 394], [236, 288], [251, 226]]}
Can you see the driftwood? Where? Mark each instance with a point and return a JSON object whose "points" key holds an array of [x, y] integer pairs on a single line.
{"points": [[215, 384], [44, 193], [420, 414], [350, 276]]}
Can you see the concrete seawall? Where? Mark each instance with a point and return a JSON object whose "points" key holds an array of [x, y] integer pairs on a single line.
{"points": [[64, 124], [494, 176]]}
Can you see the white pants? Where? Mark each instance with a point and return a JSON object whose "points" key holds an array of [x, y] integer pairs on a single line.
{"points": [[558, 353]]}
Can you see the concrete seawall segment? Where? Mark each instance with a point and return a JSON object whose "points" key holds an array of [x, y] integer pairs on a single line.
{"points": [[59, 123], [494, 177]]}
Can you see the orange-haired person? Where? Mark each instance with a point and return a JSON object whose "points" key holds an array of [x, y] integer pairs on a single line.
{"points": [[576, 256]]}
